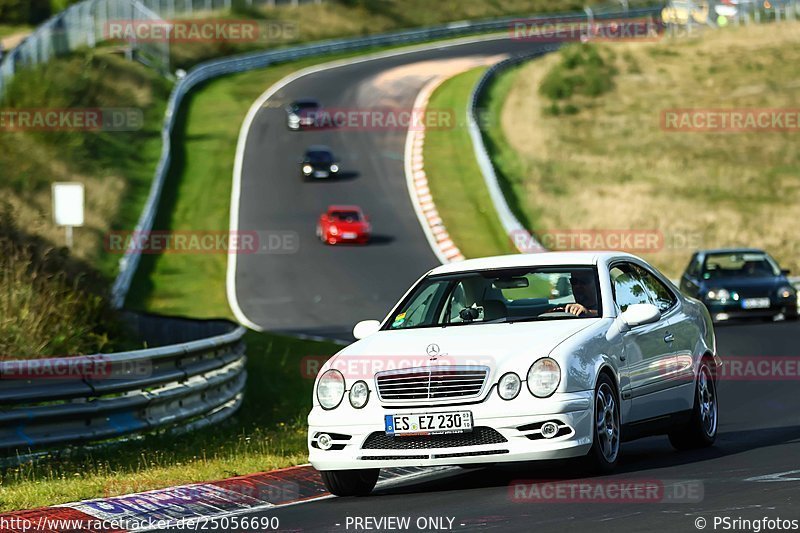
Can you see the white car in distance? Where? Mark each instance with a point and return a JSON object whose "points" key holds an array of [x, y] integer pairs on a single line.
{"points": [[517, 358]]}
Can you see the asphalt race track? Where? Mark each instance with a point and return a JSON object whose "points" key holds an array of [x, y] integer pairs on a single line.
{"points": [[752, 472], [759, 436], [324, 290]]}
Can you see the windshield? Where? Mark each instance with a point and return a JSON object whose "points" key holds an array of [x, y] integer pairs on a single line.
{"points": [[346, 216], [322, 157], [734, 265], [503, 295]]}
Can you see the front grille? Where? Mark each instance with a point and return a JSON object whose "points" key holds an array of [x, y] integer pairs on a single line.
{"points": [[432, 383], [468, 454], [392, 457], [439, 456], [477, 437]]}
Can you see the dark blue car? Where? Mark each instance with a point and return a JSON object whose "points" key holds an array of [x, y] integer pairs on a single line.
{"points": [[738, 283]]}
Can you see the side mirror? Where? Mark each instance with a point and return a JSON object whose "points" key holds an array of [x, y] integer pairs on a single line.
{"points": [[785, 271], [365, 328], [640, 314]]}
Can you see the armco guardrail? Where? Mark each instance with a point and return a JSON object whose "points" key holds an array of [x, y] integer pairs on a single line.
{"points": [[74, 400], [221, 67]]}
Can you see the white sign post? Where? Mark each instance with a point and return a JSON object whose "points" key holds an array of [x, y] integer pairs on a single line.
{"points": [[68, 207]]}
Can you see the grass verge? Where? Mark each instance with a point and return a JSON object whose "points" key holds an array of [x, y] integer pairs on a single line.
{"points": [[268, 432], [455, 179], [608, 164]]}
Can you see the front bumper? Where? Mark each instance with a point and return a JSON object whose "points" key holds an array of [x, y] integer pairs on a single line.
{"points": [[504, 431], [341, 239]]}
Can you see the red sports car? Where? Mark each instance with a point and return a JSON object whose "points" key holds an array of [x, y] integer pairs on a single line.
{"points": [[343, 223]]}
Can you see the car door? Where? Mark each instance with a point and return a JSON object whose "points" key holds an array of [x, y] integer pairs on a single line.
{"points": [[647, 349]]}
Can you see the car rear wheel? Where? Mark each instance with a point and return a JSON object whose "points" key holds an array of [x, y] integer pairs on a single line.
{"points": [[701, 431], [604, 454], [350, 482]]}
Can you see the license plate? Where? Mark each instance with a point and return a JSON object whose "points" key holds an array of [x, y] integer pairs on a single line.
{"points": [[429, 423], [320, 174], [349, 235], [756, 303]]}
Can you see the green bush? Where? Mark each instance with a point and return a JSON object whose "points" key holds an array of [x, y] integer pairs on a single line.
{"points": [[24, 11], [583, 70], [50, 303]]}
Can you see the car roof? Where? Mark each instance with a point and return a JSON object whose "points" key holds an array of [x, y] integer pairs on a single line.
{"points": [[714, 251], [306, 101], [589, 258], [343, 208]]}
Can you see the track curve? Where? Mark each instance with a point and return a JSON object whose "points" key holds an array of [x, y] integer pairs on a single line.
{"points": [[321, 290]]}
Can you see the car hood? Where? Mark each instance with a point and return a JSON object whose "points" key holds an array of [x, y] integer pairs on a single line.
{"points": [[498, 346], [744, 283]]}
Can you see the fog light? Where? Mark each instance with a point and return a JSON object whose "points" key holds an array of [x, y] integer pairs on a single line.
{"points": [[549, 430], [325, 441]]}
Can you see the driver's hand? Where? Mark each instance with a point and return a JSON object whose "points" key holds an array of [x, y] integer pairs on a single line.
{"points": [[575, 309]]}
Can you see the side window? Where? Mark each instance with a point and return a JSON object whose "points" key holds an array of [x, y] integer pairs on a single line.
{"points": [[628, 288], [661, 296]]}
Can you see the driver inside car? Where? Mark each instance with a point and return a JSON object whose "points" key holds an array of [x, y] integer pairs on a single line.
{"points": [[585, 294]]}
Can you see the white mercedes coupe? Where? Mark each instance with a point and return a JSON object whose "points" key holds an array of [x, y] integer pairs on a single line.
{"points": [[517, 358]]}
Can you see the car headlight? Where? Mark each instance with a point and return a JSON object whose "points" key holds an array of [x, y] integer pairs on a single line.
{"points": [[307, 169], [785, 292], [334, 230], [509, 385], [718, 294], [334, 168], [330, 389], [359, 394], [544, 377], [294, 118]]}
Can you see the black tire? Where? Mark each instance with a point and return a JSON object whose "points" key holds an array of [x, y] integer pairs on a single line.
{"points": [[701, 431], [350, 482], [607, 427]]}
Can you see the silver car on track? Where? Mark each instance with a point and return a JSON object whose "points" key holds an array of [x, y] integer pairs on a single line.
{"points": [[517, 358]]}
